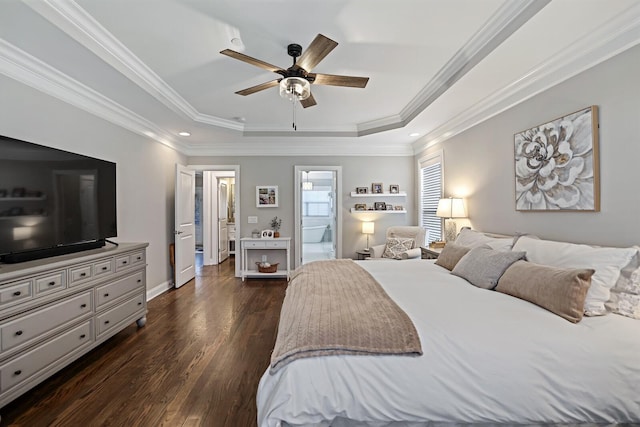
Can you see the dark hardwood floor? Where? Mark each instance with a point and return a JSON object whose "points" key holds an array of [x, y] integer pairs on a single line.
{"points": [[197, 362]]}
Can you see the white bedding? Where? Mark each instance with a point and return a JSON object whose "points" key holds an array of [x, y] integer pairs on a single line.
{"points": [[488, 358]]}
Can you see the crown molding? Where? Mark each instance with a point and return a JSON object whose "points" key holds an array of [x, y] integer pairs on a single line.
{"points": [[619, 34], [20, 66], [304, 147]]}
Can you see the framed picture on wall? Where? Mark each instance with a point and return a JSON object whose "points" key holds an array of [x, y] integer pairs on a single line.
{"points": [[394, 189], [267, 196], [380, 206], [556, 164], [376, 188], [361, 190]]}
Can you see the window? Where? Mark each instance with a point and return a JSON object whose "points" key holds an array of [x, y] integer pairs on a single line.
{"points": [[430, 194]]}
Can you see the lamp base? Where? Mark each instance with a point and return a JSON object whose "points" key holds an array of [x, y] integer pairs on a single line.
{"points": [[450, 230]]}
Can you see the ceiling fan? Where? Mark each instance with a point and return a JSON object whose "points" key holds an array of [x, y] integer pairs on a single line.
{"points": [[296, 80]]}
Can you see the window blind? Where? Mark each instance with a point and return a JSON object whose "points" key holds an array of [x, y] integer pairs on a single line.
{"points": [[430, 194]]}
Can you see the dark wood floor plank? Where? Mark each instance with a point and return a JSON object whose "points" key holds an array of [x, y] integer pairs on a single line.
{"points": [[197, 362]]}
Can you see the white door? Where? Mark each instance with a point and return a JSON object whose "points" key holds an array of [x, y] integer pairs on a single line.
{"points": [[223, 232], [185, 242]]}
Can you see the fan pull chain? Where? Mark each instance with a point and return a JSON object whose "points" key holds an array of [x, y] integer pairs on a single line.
{"points": [[293, 103]]}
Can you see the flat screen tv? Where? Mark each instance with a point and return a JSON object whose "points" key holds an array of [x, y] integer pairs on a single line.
{"points": [[52, 201]]}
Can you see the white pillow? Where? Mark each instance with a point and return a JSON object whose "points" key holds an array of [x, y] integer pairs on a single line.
{"points": [[474, 239], [607, 262], [625, 295]]}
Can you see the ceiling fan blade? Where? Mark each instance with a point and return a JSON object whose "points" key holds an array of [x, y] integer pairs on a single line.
{"points": [[309, 102], [250, 60], [333, 80], [258, 88], [317, 50]]}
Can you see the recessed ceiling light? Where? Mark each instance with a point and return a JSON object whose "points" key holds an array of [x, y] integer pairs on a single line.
{"points": [[414, 134], [184, 133]]}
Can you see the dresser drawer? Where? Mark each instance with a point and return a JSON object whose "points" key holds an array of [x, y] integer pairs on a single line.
{"points": [[52, 282], [14, 292], [112, 291], [80, 274], [44, 320], [123, 262], [254, 245], [278, 244], [41, 357], [101, 268], [137, 258], [111, 318]]}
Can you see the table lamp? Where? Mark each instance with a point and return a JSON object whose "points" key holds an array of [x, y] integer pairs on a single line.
{"points": [[449, 209], [367, 228]]}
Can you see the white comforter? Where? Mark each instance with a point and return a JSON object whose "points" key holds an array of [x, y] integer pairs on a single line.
{"points": [[488, 358]]}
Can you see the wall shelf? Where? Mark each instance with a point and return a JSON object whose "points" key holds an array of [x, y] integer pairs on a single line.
{"points": [[354, 210], [21, 199], [400, 194]]}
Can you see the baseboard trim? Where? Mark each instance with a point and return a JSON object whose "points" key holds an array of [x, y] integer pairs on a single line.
{"points": [[159, 290]]}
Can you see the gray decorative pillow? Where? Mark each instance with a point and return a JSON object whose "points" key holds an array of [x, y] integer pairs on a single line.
{"points": [[396, 246], [560, 290], [483, 266], [451, 254]]}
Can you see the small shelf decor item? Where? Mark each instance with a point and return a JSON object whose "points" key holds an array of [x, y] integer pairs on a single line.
{"points": [[267, 196], [556, 164], [379, 206], [361, 207], [362, 190], [275, 224], [394, 189], [376, 188], [265, 267]]}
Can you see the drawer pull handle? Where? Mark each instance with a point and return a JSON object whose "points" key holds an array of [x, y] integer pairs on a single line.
{"points": [[106, 295], [18, 333], [104, 268], [139, 280], [83, 305], [124, 262], [51, 283], [17, 293], [18, 372], [83, 336], [106, 322], [139, 303], [83, 274], [139, 258]]}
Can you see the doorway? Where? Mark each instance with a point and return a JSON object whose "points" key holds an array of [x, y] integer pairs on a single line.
{"points": [[217, 210], [318, 213]]}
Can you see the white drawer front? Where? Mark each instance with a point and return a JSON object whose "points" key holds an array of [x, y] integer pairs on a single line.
{"points": [[80, 274], [52, 282], [15, 292], [111, 318], [254, 245], [112, 291], [103, 267], [123, 262], [44, 320], [43, 356], [137, 258], [278, 244]]}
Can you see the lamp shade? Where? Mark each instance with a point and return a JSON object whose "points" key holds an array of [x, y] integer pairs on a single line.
{"points": [[368, 227], [451, 208], [293, 88]]}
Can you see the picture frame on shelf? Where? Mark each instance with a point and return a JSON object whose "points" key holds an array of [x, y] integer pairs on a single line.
{"points": [[389, 207], [362, 190], [266, 196], [379, 206], [360, 207], [394, 189], [376, 188], [398, 208]]}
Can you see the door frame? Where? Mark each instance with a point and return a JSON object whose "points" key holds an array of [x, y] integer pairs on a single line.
{"points": [[207, 215], [297, 199]]}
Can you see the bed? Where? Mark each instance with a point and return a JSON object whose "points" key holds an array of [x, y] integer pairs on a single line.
{"points": [[488, 358]]}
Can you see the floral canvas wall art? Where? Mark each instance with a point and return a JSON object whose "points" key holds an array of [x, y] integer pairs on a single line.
{"points": [[556, 164]]}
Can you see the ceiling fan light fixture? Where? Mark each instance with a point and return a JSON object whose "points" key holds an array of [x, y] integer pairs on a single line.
{"points": [[295, 88]]}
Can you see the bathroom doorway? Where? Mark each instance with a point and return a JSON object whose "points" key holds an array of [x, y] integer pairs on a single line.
{"points": [[317, 213]]}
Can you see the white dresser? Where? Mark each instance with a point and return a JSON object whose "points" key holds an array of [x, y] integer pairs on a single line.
{"points": [[54, 310], [253, 249]]}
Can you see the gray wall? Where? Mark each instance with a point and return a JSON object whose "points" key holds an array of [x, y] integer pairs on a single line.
{"points": [[356, 172], [145, 169], [479, 163]]}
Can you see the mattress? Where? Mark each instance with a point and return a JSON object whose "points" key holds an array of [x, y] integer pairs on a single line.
{"points": [[489, 358]]}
